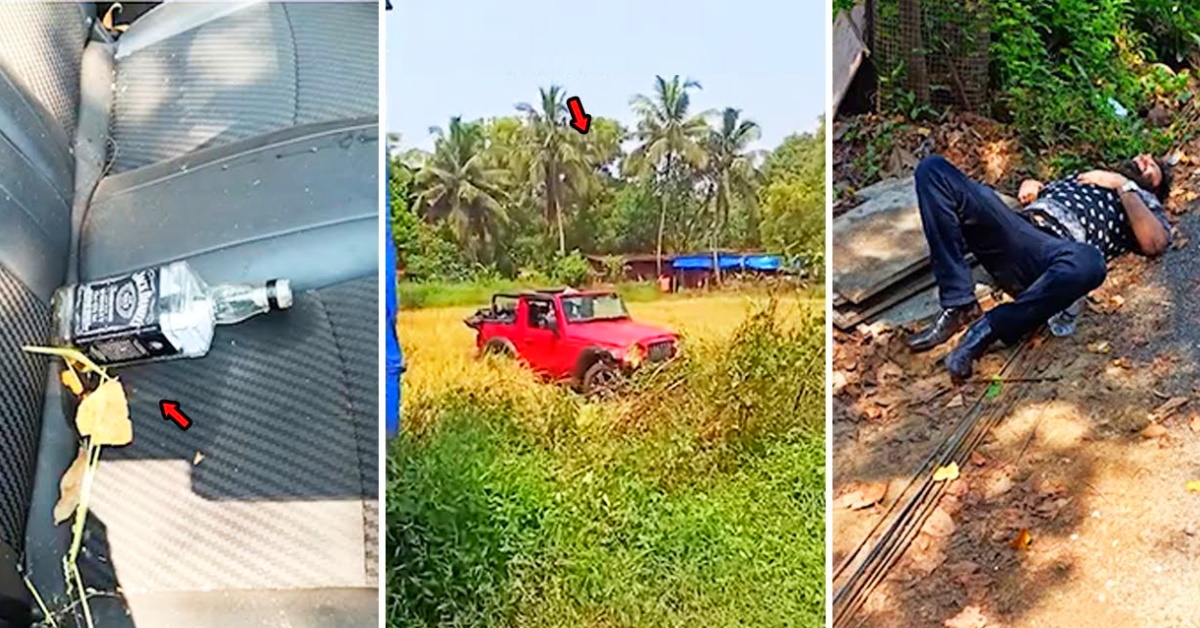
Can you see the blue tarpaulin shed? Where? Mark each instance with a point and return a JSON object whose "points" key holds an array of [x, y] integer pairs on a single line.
{"points": [[728, 262]]}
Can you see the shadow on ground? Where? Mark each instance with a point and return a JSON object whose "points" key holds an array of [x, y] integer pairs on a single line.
{"points": [[1093, 466]]}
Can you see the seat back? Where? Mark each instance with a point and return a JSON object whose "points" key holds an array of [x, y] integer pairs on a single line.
{"points": [[192, 76], [40, 54]]}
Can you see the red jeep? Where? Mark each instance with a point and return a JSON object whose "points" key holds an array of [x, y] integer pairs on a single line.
{"points": [[586, 338]]}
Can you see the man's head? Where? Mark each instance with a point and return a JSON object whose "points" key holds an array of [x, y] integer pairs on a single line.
{"points": [[1152, 175]]}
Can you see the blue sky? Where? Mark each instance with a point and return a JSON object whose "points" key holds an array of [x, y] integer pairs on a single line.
{"points": [[478, 58]]}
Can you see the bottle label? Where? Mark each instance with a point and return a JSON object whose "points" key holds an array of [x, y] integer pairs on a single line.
{"points": [[117, 320]]}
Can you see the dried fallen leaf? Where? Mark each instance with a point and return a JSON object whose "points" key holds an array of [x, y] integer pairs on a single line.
{"points": [[70, 379], [1194, 486], [946, 473], [1154, 430], [68, 488], [1117, 302], [104, 415], [939, 524], [1022, 541], [969, 617], [872, 494], [840, 381], [1169, 407], [1194, 421], [956, 402], [1102, 347], [889, 371], [197, 459], [957, 488], [109, 15]]}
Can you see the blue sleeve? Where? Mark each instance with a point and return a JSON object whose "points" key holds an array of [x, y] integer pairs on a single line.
{"points": [[394, 357]]}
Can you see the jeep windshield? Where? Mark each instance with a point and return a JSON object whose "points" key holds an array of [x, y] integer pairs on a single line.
{"points": [[586, 308]]}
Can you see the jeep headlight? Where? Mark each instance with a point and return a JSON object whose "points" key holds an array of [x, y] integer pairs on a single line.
{"points": [[634, 356]]}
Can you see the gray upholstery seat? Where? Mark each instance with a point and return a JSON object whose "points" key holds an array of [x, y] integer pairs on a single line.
{"points": [[39, 86], [191, 76], [242, 137]]}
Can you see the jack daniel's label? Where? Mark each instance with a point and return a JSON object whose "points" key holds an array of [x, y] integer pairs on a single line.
{"points": [[117, 320]]}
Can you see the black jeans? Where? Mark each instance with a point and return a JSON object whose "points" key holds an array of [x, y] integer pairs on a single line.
{"points": [[1045, 274]]}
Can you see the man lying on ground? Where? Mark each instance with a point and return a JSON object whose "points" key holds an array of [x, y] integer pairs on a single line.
{"points": [[1046, 255]]}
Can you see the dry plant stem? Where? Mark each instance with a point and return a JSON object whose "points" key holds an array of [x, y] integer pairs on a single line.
{"points": [[93, 462], [87, 610], [70, 566], [68, 354], [41, 604]]}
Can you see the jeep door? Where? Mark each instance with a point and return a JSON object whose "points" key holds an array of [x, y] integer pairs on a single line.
{"points": [[539, 343]]}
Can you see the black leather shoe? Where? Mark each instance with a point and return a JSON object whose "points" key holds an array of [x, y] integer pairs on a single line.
{"points": [[949, 322], [961, 361]]}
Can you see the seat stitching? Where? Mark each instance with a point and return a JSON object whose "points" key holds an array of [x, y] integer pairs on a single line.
{"points": [[287, 16]]}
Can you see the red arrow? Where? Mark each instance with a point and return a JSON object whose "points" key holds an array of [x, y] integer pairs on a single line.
{"points": [[172, 412], [580, 121]]}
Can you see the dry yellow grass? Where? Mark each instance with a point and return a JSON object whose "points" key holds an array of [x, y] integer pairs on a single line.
{"points": [[439, 350], [522, 503]]}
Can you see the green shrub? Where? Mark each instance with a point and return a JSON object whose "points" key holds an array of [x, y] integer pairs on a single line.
{"points": [[1074, 78], [462, 504], [571, 269], [1172, 27], [1067, 68], [699, 502]]}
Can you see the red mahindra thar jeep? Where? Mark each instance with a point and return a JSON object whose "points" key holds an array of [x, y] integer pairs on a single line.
{"points": [[586, 338]]}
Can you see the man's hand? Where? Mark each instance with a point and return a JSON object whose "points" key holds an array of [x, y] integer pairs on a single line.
{"points": [[1030, 188], [1103, 178]]}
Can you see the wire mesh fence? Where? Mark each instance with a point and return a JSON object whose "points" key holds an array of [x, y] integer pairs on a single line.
{"points": [[930, 52]]}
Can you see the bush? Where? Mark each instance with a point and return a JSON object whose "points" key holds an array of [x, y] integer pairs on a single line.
{"points": [[697, 500], [571, 269], [460, 509], [1172, 27], [1074, 78]]}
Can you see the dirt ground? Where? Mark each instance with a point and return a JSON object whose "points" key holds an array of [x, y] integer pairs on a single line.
{"points": [[1094, 466]]}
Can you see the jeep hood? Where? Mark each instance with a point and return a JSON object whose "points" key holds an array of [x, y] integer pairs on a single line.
{"points": [[619, 333]]}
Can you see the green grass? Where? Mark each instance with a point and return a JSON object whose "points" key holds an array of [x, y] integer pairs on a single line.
{"points": [[434, 294], [697, 501]]}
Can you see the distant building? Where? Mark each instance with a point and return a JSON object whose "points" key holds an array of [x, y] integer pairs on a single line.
{"points": [[692, 270]]}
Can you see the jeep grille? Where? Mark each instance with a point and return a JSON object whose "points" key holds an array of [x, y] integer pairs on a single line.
{"points": [[659, 351]]}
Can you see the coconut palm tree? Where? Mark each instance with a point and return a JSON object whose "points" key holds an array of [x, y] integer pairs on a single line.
{"points": [[454, 184], [731, 166], [558, 166], [671, 141]]}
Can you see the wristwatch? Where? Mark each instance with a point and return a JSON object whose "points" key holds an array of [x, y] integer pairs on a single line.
{"points": [[1129, 186]]}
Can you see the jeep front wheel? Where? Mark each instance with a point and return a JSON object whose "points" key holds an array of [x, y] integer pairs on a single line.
{"points": [[601, 378]]}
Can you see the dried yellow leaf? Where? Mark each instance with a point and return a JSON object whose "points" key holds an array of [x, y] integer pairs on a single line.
{"points": [[110, 15], [946, 473], [1194, 486], [70, 379], [1022, 541], [104, 415], [68, 488]]}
